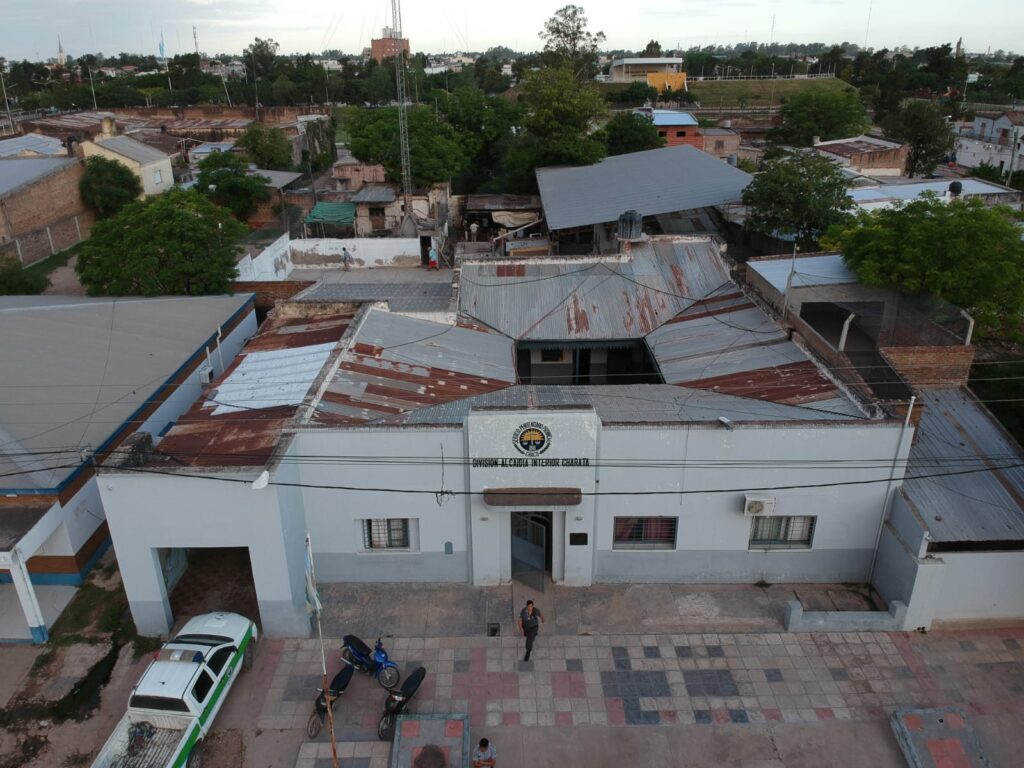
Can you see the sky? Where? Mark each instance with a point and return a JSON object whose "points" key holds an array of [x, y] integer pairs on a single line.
{"points": [[30, 28]]}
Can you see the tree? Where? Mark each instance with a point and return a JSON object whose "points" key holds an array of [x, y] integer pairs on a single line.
{"points": [[631, 132], [261, 59], [636, 94], [435, 153], [224, 178], [924, 127], [560, 116], [107, 186], [177, 243], [962, 252], [267, 147], [568, 41], [825, 114], [797, 194], [17, 281], [652, 51]]}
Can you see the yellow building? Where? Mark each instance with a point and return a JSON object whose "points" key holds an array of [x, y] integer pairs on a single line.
{"points": [[667, 81]]}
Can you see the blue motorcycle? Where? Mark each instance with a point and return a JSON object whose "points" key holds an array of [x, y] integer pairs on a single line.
{"points": [[374, 663]]}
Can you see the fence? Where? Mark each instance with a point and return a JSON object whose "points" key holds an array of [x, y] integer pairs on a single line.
{"points": [[707, 78]]}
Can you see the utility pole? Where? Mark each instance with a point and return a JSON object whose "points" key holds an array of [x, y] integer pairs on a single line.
{"points": [[255, 85], [403, 117], [92, 87], [7, 104], [195, 39]]}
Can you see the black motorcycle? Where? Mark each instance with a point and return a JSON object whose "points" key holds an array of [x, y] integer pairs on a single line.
{"points": [[397, 701], [336, 688]]}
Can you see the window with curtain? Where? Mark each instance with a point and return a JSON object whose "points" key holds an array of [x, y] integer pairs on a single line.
{"points": [[645, 533], [778, 532], [392, 533]]}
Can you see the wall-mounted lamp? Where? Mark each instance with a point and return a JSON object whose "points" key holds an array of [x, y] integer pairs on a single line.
{"points": [[484, 519], [579, 517], [726, 423]]}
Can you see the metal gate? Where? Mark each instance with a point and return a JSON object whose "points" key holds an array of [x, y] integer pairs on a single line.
{"points": [[529, 544]]}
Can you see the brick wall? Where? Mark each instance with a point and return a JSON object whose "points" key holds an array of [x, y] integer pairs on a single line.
{"points": [[52, 202], [269, 292], [932, 367]]}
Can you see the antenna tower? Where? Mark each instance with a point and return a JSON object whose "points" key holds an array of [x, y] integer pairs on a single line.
{"points": [[403, 118]]}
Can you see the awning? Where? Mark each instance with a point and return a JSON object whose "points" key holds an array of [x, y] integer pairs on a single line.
{"points": [[338, 214], [514, 220], [533, 497]]}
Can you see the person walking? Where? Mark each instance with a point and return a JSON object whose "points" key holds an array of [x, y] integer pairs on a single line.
{"points": [[530, 619]]}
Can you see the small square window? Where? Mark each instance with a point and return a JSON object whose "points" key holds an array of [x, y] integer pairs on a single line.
{"points": [[779, 532], [158, 177], [392, 533], [645, 533], [680, 133], [663, 134]]}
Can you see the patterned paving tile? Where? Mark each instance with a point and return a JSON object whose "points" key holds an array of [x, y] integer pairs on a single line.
{"points": [[710, 682]]}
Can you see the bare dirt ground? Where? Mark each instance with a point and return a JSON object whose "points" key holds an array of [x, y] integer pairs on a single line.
{"points": [[64, 281]]}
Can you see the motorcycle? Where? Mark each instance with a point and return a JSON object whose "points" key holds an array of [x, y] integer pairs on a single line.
{"points": [[327, 699], [375, 663], [397, 701]]}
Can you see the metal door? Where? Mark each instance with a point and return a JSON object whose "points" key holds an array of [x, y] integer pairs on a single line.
{"points": [[528, 547]]}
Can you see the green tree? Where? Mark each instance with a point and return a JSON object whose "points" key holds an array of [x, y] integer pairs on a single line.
{"points": [[652, 51], [797, 194], [267, 147], [923, 126], [631, 132], [825, 114], [636, 94], [568, 41], [171, 244], [435, 153], [560, 116], [261, 59], [107, 186], [224, 178], [962, 252], [17, 281]]}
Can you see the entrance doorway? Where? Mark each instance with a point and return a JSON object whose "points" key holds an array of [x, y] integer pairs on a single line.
{"points": [[532, 552], [215, 579]]}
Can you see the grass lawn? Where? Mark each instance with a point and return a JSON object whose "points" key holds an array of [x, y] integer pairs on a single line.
{"points": [[757, 93]]}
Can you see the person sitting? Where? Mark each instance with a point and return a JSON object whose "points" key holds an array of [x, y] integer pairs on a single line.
{"points": [[485, 755]]}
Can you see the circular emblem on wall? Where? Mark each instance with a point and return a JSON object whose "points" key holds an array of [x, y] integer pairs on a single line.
{"points": [[532, 438]]}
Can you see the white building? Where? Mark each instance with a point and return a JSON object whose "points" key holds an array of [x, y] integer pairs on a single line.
{"points": [[997, 140], [637, 69], [83, 374], [595, 420]]}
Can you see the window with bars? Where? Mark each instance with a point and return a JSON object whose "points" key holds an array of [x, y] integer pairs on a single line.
{"points": [[392, 533], [645, 533], [778, 532]]}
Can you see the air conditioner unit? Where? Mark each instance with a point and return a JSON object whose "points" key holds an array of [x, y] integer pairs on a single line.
{"points": [[205, 373], [756, 505]]}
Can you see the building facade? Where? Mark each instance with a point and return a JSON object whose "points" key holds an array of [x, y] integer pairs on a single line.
{"points": [[388, 46], [151, 166]]}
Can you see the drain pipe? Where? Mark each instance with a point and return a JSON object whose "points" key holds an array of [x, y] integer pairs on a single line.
{"points": [[970, 327], [888, 487], [846, 329]]}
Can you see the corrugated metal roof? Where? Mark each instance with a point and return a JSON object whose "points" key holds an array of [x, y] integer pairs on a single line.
{"points": [[957, 434], [666, 117], [598, 298], [32, 144], [652, 182], [76, 368], [276, 179], [262, 387], [132, 149], [374, 193], [502, 203], [397, 364], [726, 344], [886, 194], [401, 297], [16, 173], [826, 269], [627, 404]]}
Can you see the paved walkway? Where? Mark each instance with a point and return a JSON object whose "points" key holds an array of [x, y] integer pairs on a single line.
{"points": [[763, 681]]}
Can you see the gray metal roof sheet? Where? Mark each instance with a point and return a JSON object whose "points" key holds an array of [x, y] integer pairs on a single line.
{"points": [[958, 434], [76, 368], [911, 190], [631, 404], [32, 143], [374, 193], [596, 298], [827, 269], [132, 149], [277, 179], [19, 172], [401, 297], [652, 182]]}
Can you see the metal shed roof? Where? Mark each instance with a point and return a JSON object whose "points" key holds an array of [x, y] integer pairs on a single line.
{"points": [[32, 144], [956, 436], [808, 271], [401, 297], [652, 182], [397, 364], [276, 179], [19, 172], [374, 193], [132, 149], [597, 298], [664, 117]]}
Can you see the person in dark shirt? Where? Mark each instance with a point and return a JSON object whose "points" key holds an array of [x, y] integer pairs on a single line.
{"points": [[530, 619]]}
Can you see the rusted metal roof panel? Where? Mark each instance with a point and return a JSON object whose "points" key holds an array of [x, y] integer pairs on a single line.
{"points": [[587, 299], [964, 475], [397, 364]]}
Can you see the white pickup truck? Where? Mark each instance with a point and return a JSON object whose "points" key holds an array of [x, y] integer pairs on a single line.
{"points": [[173, 704]]}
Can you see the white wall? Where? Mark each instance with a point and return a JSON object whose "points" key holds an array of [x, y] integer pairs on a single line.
{"points": [[366, 251], [272, 263], [981, 585]]}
